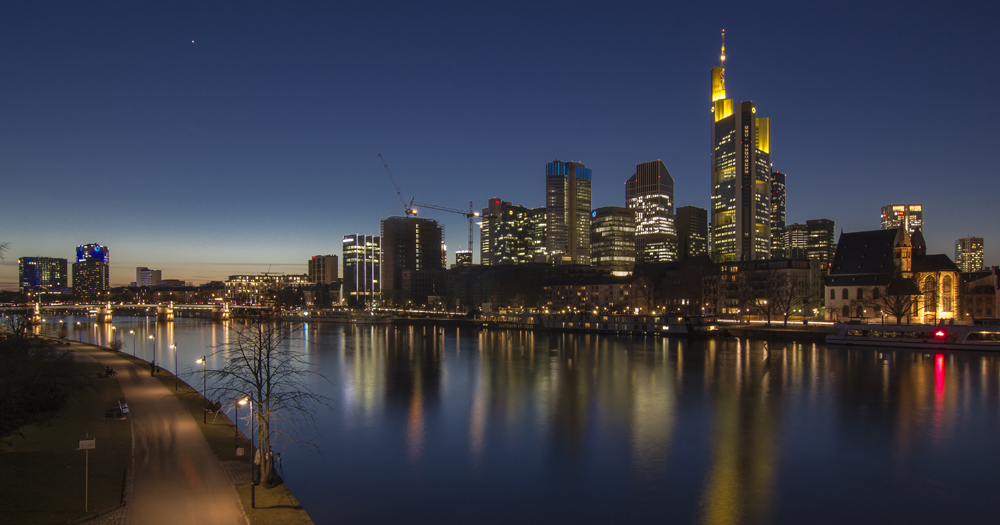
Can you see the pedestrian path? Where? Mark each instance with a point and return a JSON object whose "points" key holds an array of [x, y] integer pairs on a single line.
{"points": [[176, 476]]}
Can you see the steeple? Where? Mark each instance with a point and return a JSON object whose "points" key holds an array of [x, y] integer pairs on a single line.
{"points": [[719, 76]]}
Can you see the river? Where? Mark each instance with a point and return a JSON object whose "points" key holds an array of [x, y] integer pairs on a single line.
{"points": [[459, 426]]}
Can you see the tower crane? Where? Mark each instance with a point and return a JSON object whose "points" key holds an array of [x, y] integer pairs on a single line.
{"points": [[411, 212]]}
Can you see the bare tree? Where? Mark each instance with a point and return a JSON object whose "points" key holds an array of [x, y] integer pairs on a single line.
{"points": [[789, 295], [769, 288], [746, 293], [3, 249], [898, 298], [261, 366]]}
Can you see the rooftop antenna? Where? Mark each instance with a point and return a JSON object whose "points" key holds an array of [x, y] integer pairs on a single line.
{"points": [[723, 60]]}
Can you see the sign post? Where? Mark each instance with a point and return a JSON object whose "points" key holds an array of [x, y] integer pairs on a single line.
{"points": [[86, 445]]}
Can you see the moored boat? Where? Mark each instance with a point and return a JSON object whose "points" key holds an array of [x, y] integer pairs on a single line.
{"points": [[942, 337]]}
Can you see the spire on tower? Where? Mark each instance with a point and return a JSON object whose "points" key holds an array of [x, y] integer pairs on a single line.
{"points": [[723, 64]]}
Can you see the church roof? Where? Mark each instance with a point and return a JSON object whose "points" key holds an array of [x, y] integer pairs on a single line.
{"points": [[934, 263], [869, 252]]}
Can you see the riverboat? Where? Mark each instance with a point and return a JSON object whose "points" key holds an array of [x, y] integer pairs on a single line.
{"points": [[940, 337]]}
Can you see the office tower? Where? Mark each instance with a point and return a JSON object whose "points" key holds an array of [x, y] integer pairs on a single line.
{"points": [[408, 243], [821, 244], [612, 239], [91, 271], [507, 235], [537, 219], [567, 205], [692, 231], [463, 258], [649, 193], [741, 175], [792, 242], [895, 214], [362, 269], [777, 211], [969, 254], [323, 269], [146, 277], [41, 273]]}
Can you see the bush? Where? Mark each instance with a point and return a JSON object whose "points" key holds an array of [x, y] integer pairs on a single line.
{"points": [[116, 345]]}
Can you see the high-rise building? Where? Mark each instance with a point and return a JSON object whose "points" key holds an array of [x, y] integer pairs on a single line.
{"points": [[507, 234], [41, 273], [777, 211], [649, 193], [692, 231], [408, 244], [821, 244], [146, 277], [741, 175], [463, 258], [538, 217], [969, 254], [567, 206], [612, 239], [91, 271], [323, 269], [362, 269], [895, 214]]}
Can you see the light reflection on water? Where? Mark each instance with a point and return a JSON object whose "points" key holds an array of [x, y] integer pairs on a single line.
{"points": [[462, 426]]}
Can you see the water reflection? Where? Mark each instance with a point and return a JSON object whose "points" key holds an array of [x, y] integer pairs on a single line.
{"points": [[463, 426]]}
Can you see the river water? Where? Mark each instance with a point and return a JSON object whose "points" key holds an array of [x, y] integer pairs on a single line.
{"points": [[457, 426]]}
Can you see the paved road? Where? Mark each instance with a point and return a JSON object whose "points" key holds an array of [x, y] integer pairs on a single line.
{"points": [[177, 477]]}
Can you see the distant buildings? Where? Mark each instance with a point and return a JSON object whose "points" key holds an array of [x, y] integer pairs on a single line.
{"points": [[146, 277], [812, 240], [411, 259], [259, 288], [362, 269], [41, 273], [567, 210], [613, 239], [969, 254], [323, 269], [910, 214], [649, 193], [508, 234], [463, 258], [91, 271], [692, 232], [741, 176], [777, 213]]}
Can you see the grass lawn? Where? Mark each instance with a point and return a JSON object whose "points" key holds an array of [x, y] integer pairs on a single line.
{"points": [[43, 474]]}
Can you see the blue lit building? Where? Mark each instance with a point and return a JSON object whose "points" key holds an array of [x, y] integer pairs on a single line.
{"points": [[41, 273], [567, 212], [92, 252], [91, 271]]}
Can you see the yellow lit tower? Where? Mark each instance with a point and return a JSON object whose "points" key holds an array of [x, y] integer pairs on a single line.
{"points": [[741, 175]]}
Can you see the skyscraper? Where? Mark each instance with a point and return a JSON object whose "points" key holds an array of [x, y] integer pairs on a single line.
{"points": [[507, 234], [821, 244], [649, 193], [612, 239], [91, 271], [362, 269], [41, 273], [777, 210], [895, 214], [567, 207], [741, 175], [409, 244], [692, 232], [969, 254], [323, 269]]}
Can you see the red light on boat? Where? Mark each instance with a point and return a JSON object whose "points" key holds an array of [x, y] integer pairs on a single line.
{"points": [[939, 334]]}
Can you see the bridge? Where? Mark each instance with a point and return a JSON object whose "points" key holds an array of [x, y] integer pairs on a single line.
{"points": [[164, 312]]}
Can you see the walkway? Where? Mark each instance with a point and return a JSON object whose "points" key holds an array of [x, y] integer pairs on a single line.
{"points": [[177, 478]]}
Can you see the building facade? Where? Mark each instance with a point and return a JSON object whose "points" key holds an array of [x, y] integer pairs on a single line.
{"points": [[692, 232], [777, 213], [41, 273], [613, 239], [912, 215], [362, 269], [740, 176], [507, 235], [567, 212], [258, 288], [147, 277], [649, 193], [969, 254], [408, 243], [324, 269], [91, 271]]}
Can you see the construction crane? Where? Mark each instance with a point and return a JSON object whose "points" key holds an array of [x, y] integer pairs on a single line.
{"points": [[411, 212]]}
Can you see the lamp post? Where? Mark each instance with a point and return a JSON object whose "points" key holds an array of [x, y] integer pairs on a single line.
{"points": [[236, 423], [78, 334], [204, 411], [174, 348], [253, 468], [133, 344], [152, 366]]}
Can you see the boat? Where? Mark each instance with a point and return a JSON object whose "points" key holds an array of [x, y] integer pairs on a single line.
{"points": [[939, 337]]}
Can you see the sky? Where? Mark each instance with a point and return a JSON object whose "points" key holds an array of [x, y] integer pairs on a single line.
{"points": [[207, 139]]}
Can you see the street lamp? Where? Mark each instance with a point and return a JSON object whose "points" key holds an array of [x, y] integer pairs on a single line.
{"points": [[236, 422], [174, 347], [79, 336], [133, 344], [204, 411], [152, 366]]}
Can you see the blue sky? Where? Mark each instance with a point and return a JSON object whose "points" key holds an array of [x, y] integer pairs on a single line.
{"points": [[254, 146]]}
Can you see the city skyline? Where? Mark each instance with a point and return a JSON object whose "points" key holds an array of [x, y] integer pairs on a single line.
{"points": [[206, 143]]}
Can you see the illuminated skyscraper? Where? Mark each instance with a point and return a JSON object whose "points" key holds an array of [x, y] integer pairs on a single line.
{"points": [[362, 269], [41, 273], [507, 234], [969, 254], [777, 211], [692, 231], [895, 214], [612, 239], [741, 175], [91, 271], [567, 207], [649, 193]]}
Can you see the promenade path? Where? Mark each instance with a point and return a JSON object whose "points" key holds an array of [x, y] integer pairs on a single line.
{"points": [[176, 478]]}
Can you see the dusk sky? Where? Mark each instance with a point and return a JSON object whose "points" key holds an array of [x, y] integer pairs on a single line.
{"points": [[213, 138]]}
